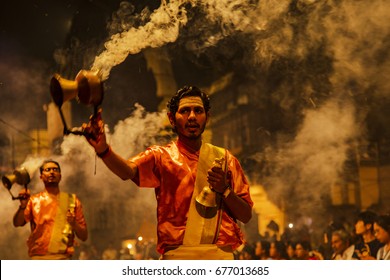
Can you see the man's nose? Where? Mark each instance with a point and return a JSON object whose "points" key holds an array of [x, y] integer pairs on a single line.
{"points": [[192, 114]]}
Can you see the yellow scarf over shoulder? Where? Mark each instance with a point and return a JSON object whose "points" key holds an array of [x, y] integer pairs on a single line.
{"points": [[62, 231], [200, 230]]}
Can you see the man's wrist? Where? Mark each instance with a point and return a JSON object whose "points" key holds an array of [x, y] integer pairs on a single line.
{"points": [[227, 191], [22, 208], [105, 153]]}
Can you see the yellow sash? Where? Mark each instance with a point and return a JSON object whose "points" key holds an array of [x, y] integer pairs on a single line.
{"points": [[201, 230], [61, 229]]}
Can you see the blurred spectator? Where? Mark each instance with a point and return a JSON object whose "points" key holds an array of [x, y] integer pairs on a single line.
{"points": [[272, 231], [342, 249], [290, 249], [261, 250], [326, 248], [382, 233], [278, 251], [366, 248], [247, 253], [303, 251]]}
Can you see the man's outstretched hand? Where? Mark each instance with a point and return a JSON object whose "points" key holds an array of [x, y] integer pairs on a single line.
{"points": [[94, 132]]}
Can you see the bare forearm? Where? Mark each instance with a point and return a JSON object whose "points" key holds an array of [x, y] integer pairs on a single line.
{"points": [[81, 232], [18, 219], [113, 161], [119, 166], [240, 209]]}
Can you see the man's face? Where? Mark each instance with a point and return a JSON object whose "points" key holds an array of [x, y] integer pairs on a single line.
{"points": [[51, 174], [361, 228], [300, 252], [290, 251], [380, 234], [338, 245], [190, 119]]}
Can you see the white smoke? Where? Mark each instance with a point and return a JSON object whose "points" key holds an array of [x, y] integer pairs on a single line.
{"points": [[358, 40], [315, 158], [163, 28]]}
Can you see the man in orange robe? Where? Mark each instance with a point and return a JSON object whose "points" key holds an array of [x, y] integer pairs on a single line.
{"points": [[178, 172], [55, 217]]}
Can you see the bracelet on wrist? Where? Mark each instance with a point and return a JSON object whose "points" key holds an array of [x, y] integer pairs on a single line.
{"points": [[105, 153], [227, 191]]}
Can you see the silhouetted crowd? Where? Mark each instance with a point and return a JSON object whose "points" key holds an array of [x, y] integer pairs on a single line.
{"points": [[368, 238]]}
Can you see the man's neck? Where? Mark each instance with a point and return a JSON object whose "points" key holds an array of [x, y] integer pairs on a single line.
{"points": [[193, 145], [52, 189]]}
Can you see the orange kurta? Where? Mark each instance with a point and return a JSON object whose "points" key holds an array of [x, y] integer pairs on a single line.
{"points": [[41, 211], [171, 170]]}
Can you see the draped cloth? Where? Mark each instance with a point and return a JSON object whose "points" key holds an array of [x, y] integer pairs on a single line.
{"points": [[62, 231], [200, 230]]}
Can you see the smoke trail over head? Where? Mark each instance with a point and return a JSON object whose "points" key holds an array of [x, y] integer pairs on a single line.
{"points": [[163, 27], [261, 33], [211, 21]]}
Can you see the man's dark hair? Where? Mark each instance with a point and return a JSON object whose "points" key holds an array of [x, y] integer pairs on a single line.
{"points": [[368, 217], [185, 91], [281, 248], [384, 222], [48, 161], [343, 234], [305, 245]]}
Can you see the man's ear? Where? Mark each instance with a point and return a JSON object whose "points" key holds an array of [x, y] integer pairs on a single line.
{"points": [[171, 118]]}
